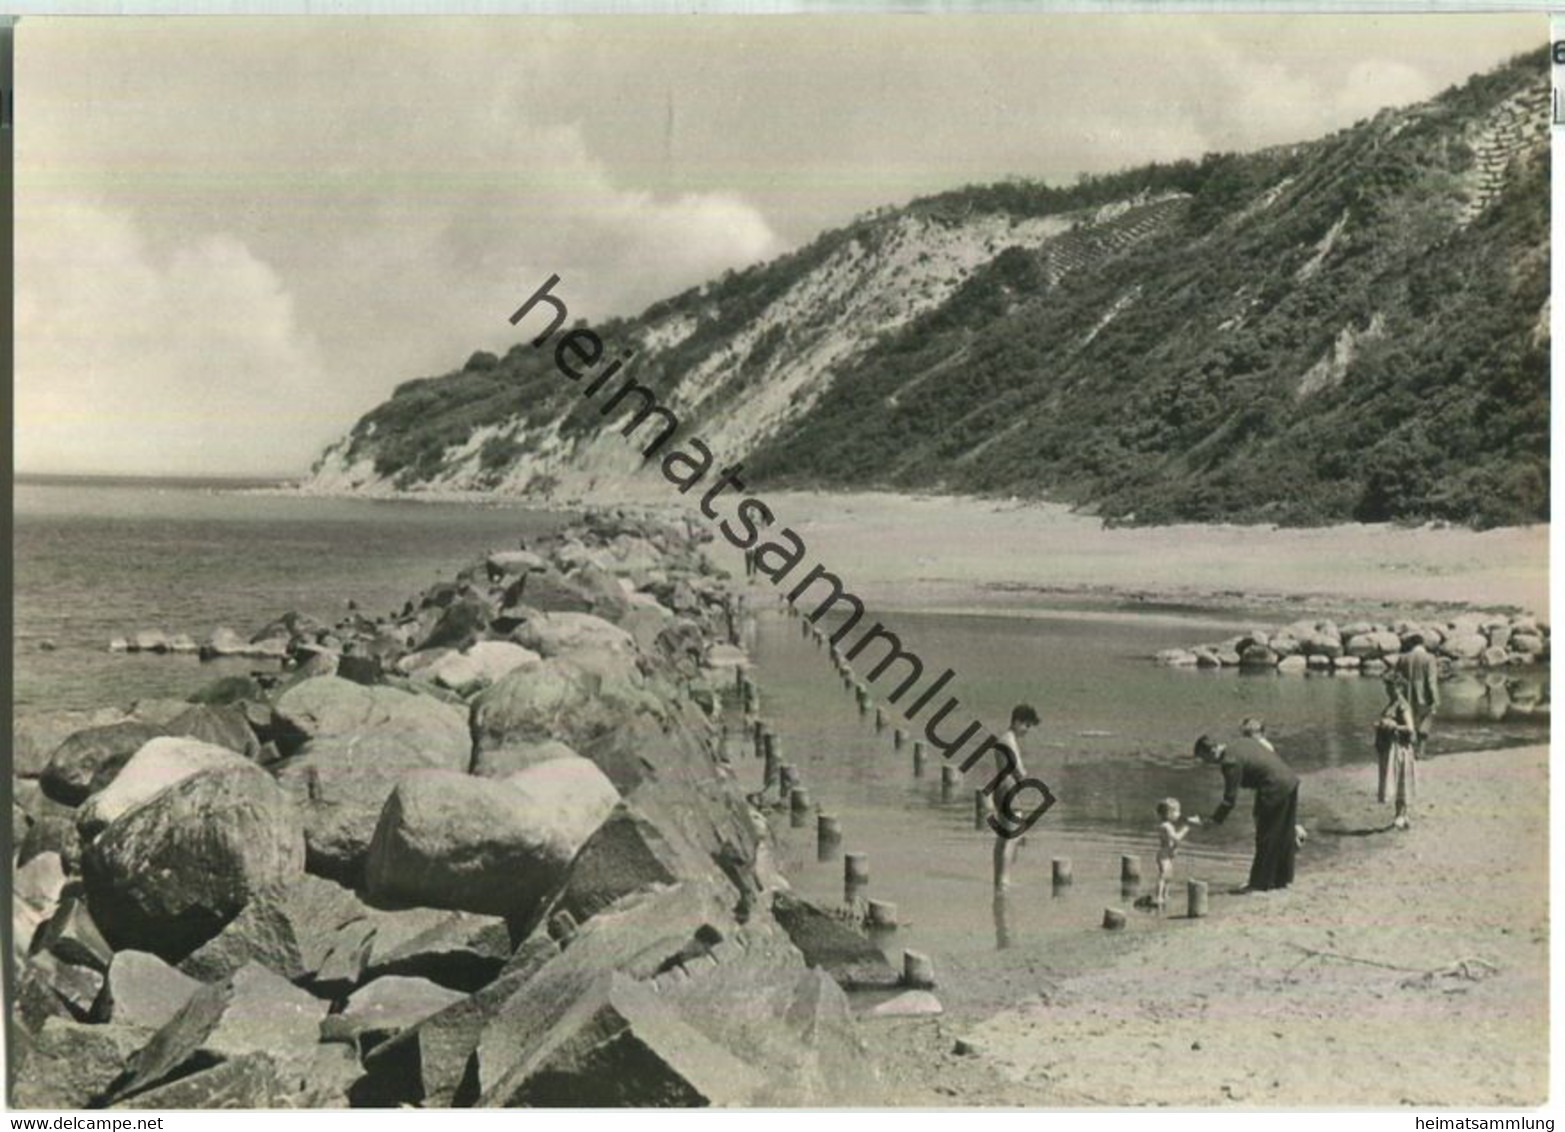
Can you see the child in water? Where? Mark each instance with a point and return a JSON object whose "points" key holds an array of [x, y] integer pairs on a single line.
{"points": [[1169, 836]]}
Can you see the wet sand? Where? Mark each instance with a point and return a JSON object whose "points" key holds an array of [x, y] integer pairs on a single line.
{"points": [[955, 553], [1401, 969], [1413, 972]]}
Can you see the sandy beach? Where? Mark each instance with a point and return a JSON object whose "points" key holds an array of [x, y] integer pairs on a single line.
{"points": [[1383, 977], [956, 553]]}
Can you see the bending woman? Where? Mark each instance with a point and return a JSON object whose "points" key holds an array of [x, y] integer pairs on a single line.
{"points": [[1250, 765]]}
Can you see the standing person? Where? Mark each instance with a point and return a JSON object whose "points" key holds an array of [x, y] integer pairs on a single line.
{"points": [[1395, 733], [1251, 765], [1023, 719], [1423, 692], [1170, 834]]}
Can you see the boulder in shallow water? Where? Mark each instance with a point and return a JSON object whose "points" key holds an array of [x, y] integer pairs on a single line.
{"points": [[167, 875], [1373, 645], [450, 840], [1293, 664], [225, 642], [89, 760], [150, 640], [1257, 656], [1465, 646]]}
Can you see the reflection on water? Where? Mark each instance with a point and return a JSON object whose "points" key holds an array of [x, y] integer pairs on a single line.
{"points": [[1115, 739]]}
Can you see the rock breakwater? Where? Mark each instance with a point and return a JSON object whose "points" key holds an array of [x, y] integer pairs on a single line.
{"points": [[486, 851], [1470, 641]]}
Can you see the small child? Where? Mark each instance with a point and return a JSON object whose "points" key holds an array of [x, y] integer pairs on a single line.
{"points": [[1169, 835]]}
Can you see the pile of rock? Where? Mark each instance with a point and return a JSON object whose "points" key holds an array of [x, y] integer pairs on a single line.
{"points": [[484, 852], [1472, 640]]}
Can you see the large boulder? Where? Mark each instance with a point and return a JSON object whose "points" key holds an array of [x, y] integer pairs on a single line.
{"points": [[618, 1044], [292, 929], [1374, 645], [427, 1063], [73, 987], [515, 563], [141, 990], [42, 825], [627, 854], [448, 840], [159, 764], [71, 1065], [384, 1008], [1257, 656], [1465, 646], [476, 667], [844, 953], [357, 743], [459, 950], [219, 725], [559, 634], [502, 762], [89, 760], [35, 737], [169, 874], [71, 936], [249, 1081], [330, 707], [461, 624], [255, 1012], [574, 700]]}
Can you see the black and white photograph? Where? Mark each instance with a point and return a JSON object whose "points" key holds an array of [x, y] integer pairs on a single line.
{"points": [[828, 560]]}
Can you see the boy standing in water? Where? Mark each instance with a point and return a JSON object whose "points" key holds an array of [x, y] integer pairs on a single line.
{"points": [[1023, 720], [1169, 836]]}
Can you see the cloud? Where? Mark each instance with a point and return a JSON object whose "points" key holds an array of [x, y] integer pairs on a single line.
{"points": [[128, 362]]}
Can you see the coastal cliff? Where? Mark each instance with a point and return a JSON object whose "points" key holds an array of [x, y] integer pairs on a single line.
{"points": [[1352, 328]]}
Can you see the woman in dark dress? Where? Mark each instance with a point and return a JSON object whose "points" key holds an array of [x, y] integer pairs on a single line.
{"points": [[1251, 765]]}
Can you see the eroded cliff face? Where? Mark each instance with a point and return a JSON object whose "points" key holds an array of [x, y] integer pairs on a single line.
{"points": [[1354, 327]]}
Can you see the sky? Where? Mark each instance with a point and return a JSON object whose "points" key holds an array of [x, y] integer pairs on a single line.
{"points": [[235, 236]]}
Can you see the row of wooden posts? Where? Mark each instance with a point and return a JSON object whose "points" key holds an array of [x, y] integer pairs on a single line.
{"points": [[882, 914]]}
